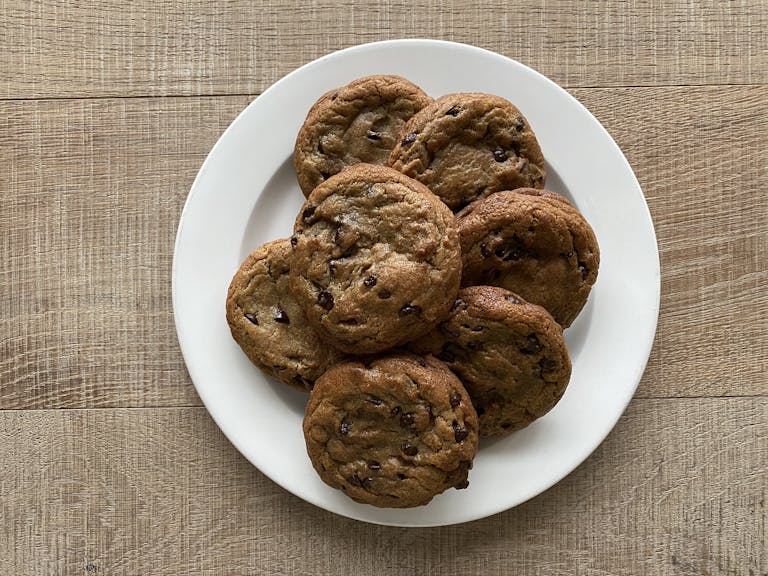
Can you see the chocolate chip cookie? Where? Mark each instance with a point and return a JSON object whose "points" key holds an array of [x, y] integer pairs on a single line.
{"points": [[467, 146], [359, 122], [534, 243], [376, 259], [509, 354], [393, 431], [268, 324]]}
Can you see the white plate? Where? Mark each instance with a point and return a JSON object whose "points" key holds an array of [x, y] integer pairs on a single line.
{"points": [[246, 194]]}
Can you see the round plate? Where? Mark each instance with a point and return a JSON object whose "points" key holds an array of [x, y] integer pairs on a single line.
{"points": [[246, 194]]}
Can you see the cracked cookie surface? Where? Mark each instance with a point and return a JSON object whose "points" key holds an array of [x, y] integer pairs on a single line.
{"points": [[359, 122], [534, 243], [392, 431], [509, 354], [269, 325], [468, 146], [376, 259]]}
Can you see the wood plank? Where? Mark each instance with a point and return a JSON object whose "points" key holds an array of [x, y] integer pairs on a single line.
{"points": [[94, 188], [678, 488], [700, 156], [93, 193], [116, 48]]}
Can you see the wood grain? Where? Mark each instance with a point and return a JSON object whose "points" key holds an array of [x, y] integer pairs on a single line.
{"points": [[700, 156], [677, 489], [93, 193], [116, 48], [94, 189]]}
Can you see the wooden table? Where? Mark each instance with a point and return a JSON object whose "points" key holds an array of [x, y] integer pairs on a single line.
{"points": [[109, 464]]}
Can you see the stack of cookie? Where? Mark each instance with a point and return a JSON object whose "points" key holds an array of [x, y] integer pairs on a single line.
{"points": [[422, 297]]}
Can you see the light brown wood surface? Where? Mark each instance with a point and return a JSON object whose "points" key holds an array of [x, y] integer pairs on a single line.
{"points": [[108, 462]]}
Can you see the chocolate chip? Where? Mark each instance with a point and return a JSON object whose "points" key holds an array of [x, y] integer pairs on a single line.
{"points": [[281, 317], [583, 270], [462, 485], [567, 256], [344, 428], [513, 254], [477, 328], [354, 480], [320, 147], [384, 294], [506, 425], [533, 346], [520, 122], [325, 175], [512, 298], [349, 322], [409, 449], [373, 135], [453, 111], [484, 250], [325, 300], [409, 139], [407, 420], [459, 304], [459, 432], [370, 281], [308, 211], [374, 400], [400, 476], [366, 483], [252, 318], [332, 267], [409, 310], [335, 95], [480, 410], [294, 240], [547, 364], [395, 411], [499, 155], [454, 399]]}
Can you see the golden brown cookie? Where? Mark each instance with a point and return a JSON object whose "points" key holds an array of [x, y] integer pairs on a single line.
{"points": [[268, 324], [359, 122], [534, 243], [393, 431], [376, 259], [509, 354], [467, 146]]}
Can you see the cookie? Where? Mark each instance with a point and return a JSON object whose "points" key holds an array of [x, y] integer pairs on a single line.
{"points": [[359, 122], [268, 324], [392, 432], [509, 354], [467, 146], [533, 243], [376, 259]]}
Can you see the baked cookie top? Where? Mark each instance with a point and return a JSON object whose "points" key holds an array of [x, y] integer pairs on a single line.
{"points": [[359, 122], [269, 325], [467, 146], [509, 354], [376, 259], [392, 431], [534, 243]]}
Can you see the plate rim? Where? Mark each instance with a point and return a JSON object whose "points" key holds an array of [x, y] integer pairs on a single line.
{"points": [[652, 312]]}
